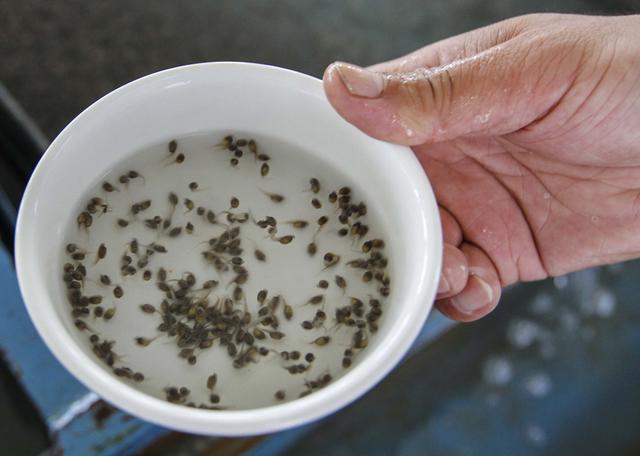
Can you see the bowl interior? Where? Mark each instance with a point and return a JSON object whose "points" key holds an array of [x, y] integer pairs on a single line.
{"points": [[227, 97]]}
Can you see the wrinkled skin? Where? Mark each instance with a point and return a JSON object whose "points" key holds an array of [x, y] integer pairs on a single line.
{"points": [[529, 131]]}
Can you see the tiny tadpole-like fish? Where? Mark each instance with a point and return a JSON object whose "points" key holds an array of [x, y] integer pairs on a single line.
{"points": [[147, 308], [105, 280], [260, 256], [108, 187], [122, 223], [227, 141], [298, 223], [189, 228], [264, 169], [285, 239], [323, 284], [211, 381], [317, 299], [319, 319], [276, 335], [81, 325], [341, 282], [158, 248], [316, 203], [173, 199], [122, 372], [118, 292], [193, 186], [234, 202], [143, 341], [133, 246], [84, 219], [173, 146], [315, 185], [360, 339], [102, 252], [78, 256], [274, 197], [287, 311], [210, 284], [312, 248], [134, 174], [330, 259], [280, 395], [108, 315], [237, 294], [274, 303], [321, 341]]}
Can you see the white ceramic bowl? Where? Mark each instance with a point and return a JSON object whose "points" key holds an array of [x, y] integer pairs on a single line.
{"points": [[234, 96]]}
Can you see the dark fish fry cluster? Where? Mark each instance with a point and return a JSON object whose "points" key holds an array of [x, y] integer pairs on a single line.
{"points": [[197, 313]]}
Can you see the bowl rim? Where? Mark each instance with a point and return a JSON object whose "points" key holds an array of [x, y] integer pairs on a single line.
{"points": [[228, 422]]}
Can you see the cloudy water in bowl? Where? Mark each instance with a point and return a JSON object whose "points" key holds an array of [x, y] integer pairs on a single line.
{"points": [[226, 272]]}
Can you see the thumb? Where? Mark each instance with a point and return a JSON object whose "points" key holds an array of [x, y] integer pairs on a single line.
{"points": [[495, 92]]}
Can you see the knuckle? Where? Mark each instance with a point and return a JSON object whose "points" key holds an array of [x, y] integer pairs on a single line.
{"points": [[445, 90], [427, 92]]}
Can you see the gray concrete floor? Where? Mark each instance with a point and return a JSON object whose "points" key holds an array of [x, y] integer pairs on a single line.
{"points": [[59, 57]]}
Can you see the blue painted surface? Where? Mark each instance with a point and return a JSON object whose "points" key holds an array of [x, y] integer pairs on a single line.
{"points": [[45, 379], [121, 435], [471, 393]]}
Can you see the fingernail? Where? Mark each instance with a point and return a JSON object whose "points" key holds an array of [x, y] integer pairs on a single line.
{"points": [[360, 82], [477, 294], [443, 286]]}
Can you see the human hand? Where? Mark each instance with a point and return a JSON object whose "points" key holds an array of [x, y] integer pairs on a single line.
{"points": [[529, 131]]}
